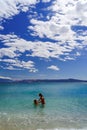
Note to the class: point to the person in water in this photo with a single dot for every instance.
(35, 102)
(41, 99)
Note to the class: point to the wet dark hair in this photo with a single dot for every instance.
(40, 95)
(35, 101)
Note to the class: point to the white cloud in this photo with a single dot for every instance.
(52, 30)
(69, 58)
(9, 52)
(53, 67)
(15, 64)
(33, 70)
(46, 0)
(9, 8)
(3, 77)
(78, 54)
(1, 27)
(65, 14)
(15, 47)
(59, 27)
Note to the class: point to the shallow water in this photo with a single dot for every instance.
(65, 108)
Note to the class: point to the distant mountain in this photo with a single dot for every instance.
(51, 80)
(3, 80)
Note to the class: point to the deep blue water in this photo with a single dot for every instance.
(65, 108)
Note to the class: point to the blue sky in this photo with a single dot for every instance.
(43, 39)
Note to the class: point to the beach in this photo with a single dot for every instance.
(65, 108)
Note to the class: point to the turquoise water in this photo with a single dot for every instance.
(65, 108)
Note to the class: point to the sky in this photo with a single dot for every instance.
(43, 39)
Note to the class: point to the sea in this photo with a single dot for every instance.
(65, 108)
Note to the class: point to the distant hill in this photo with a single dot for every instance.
(3, 80)
(50, 80)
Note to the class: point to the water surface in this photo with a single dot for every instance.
(65, 108)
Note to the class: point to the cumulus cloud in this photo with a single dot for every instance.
(70, 12)
(15, 47)
(7, 52)
(58, 27)
(15, 64)
(9, 8)
(67, 13)
(46, 1)
(53, 67)
(1, 27)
